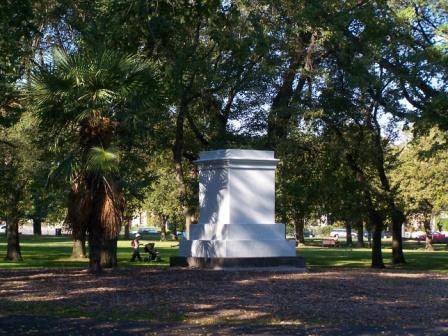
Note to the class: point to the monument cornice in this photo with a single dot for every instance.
(237, 163)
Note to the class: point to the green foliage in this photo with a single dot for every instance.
(18, 29)
(311, 80)
(442, 224)
(324, 231)
(162, 197)
(91, 106)
(93, 84)
(101, 160)
(421, 174)
(15, 173)
(98, 101)
(299, 176)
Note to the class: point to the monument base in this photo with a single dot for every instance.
(237, 248)
(295, 262)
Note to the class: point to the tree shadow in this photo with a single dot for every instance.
(234, 302)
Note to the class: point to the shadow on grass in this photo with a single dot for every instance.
(236, 302)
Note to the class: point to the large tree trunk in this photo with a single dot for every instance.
(37, 226)
(299, 224)
(428, 239)
(398, 218)
(396, 215)
(174, 231)
(178, 165)
(360, 238)
(78, 209)
(377, 255)
(127, 229)
(374, 216)
(79, 242)
(163, 227)
(78, 249)
(281, 111)
(12, 237)
(348, 231)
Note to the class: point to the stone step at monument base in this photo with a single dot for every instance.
(237, 248)
(237, 231)
(295, 263)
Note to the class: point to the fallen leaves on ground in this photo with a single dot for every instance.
(319, 299)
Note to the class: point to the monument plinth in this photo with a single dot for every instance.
(237, 214)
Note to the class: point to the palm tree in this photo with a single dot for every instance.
(90, 104)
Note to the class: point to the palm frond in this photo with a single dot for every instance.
(63, 169)
(103, 161)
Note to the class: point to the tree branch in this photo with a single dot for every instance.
(196, 131)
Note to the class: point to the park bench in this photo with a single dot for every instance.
(329, 242)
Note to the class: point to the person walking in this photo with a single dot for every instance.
(136, 248)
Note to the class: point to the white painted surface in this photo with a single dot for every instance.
(237, 231)
(252, 196)
(237, 186)
(214, 196)
(237, 248)
(237, 207)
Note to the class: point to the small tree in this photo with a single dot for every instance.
(16, 24)
(17, 175)
(162, 198)
(422, 177)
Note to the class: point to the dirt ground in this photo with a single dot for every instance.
(141, 301)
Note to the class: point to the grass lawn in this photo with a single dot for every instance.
(47, 251)
(416, 256)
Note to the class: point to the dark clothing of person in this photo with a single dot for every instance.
(136, 255)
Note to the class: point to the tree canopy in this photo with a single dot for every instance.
(125, 94)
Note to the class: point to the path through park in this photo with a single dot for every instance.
(164, 302)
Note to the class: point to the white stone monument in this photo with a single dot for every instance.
(237, 209)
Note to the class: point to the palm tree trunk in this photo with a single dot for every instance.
(12, 237)
(94, 224)
(105, 221)
(95, 250)
(108, 255)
